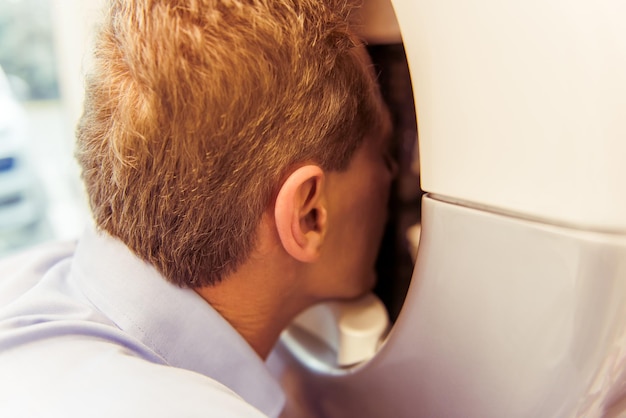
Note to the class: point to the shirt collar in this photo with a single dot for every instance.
(176, 323)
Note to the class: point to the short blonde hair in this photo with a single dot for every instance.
(196, 110)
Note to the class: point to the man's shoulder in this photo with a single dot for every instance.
(22, 270)
(85, 339)
(115, 384)
(132, 387)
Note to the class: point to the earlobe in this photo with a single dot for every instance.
(300, 213)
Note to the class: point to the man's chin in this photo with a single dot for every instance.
(372, 279)
(365, 286)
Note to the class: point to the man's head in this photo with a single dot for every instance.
(197, 111)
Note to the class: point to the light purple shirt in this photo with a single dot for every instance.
(90, 330)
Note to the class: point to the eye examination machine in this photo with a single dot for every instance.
(516, 305)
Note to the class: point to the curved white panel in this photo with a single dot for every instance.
(522, 105)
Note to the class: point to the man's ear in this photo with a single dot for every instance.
(300, 213)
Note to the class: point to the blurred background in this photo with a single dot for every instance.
(42, 59)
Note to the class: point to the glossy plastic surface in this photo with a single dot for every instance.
(521, 105)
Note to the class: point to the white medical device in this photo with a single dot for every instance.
(517, 305)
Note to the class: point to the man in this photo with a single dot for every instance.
(235, 158)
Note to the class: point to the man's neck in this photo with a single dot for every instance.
(257, 304)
